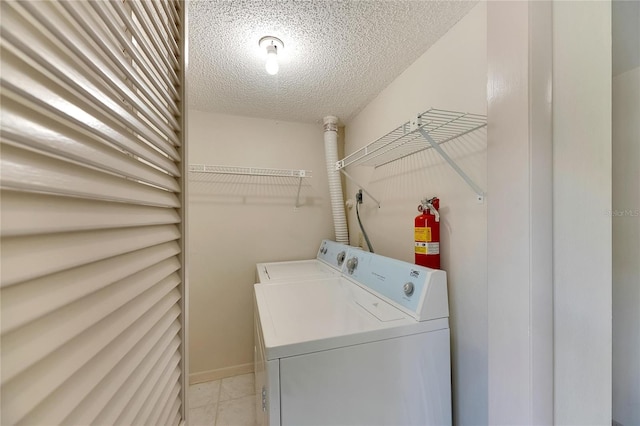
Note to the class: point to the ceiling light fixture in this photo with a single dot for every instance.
(271, 45)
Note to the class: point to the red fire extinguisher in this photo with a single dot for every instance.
(427, 234)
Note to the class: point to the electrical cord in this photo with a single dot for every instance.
(364, 233)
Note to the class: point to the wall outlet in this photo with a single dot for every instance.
(360, 240)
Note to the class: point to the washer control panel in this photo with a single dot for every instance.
(406, 285)
(332, 253)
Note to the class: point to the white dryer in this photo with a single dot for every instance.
(328, 262)
(368, 348)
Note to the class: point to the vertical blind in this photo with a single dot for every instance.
(92, 286)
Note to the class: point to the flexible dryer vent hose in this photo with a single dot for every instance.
(335, 185)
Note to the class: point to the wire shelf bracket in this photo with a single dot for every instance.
(254, 171)
(427, 130)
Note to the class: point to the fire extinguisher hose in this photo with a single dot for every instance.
(364, 233)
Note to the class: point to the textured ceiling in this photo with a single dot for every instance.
(338, 55)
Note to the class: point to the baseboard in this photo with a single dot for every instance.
(220, 373)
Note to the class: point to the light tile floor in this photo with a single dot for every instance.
(227, 402)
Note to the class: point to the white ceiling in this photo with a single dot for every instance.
(338, 55)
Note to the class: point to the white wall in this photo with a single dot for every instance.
(626, 247)
(452, 74)
(581, 197)
(581, 240)
(236, 222)
(626, 212)
(625, 16)
(520, 291)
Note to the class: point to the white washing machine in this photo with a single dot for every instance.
(328, 262)
(370, 347)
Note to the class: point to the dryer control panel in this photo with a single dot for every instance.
(332, 253)
(420, 292)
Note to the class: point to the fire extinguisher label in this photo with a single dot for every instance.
(427, 248)
(422, 234)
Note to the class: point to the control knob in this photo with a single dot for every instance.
(340, 257)
(352, 264)
(408, 288)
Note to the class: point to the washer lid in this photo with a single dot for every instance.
(304, 317)
(294, 270)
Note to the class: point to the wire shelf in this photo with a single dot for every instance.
(248, 171)
(300, 175)
(407, 139)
